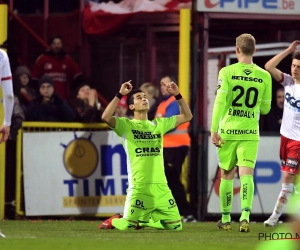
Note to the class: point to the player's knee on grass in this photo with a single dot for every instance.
(123, 224)
(172, 225)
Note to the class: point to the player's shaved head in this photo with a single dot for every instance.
(246, 43)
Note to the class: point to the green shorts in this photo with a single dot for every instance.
(150, 200)
(237, 153)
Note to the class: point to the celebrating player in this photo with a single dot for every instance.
(244, 91)
(290, 127)
(148, 194)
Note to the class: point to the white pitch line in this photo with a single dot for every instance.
(21, 237)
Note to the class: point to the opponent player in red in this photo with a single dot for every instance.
(290, 127)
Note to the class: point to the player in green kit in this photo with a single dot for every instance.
(244, 92)
(148, 195)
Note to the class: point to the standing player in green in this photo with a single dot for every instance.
(148, 194)
(244, 91)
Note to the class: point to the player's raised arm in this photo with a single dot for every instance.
(185, 112)
(273, 63)
(107, 115)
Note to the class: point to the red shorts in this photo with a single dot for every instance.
(289, 155)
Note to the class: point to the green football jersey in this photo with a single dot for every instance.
(143, 144)
(243, 90)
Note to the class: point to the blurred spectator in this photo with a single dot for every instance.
(86, 104)
(49, 106)
(152, 93)
(60, 66)
(272, 121)
(23, 89)
(122, 108)
(17, 118)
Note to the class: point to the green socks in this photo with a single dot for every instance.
(246, 195)
(226, 195)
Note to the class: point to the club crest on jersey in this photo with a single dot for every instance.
(247, 71)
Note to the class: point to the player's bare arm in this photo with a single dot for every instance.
(273, 63)
(216, 139)
(107, 115)
(185, 112)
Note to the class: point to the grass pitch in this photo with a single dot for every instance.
(73, 235)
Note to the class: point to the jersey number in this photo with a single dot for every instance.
(250, 103)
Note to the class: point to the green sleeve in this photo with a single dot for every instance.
(120, 126)
(220, 101)
(166, 123)
(265, 106)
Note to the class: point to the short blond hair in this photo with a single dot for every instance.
(246, 43)
(149, 88)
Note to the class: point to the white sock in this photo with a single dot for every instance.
(285, 194)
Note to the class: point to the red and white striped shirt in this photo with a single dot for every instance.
(290, 126)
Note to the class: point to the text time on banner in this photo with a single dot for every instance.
(69, 173)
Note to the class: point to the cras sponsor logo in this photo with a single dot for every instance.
(147, 151)
(248, 4)
(80, 157)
